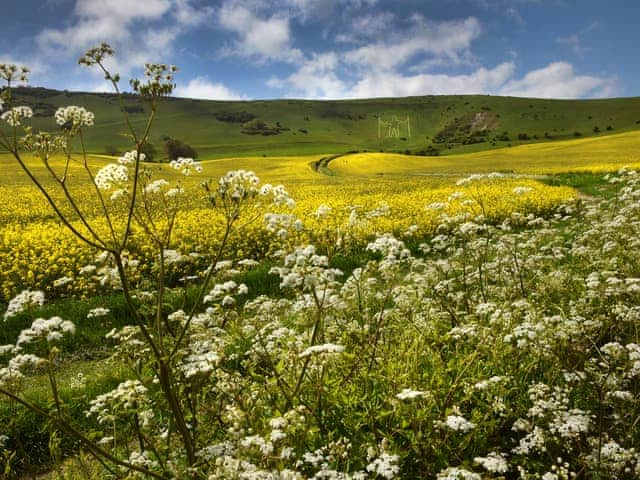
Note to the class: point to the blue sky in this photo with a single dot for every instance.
(251, 49)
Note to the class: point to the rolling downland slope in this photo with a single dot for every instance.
(418, 125)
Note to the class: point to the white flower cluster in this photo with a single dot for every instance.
(129, 158)
(274, 341)
(98, 312)
(324, 349)
(142, 459)
(282, 223)
(386, 465)
(44, 144)
(224, 292)
(112, 175)
(323, 210)
(389, 247)
(12, 373)
(156, 186)
(457, 423)
(25, 300)
(409, 394)
(129, 396)
(305, 269)
(456, 473)
(480, 176)
(204, 355)
(493, 462)
(52, 329)
(74, 116)
(278, 194)
(237, 185)
(11, 72)
(14, 116)
(172, 256)
(186, 166)
(62, 281)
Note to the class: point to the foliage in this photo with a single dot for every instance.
(175, 149)
(260, 127)
(504, 345)
(148, 149)
(234, 117)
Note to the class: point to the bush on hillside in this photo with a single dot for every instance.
(260, 127)
(149, 151)
(175, 148)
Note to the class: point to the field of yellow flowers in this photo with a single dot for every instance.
(599, 154)
(36, 251)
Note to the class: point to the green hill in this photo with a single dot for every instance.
(422, 125)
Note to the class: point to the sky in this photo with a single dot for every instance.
(259, 49)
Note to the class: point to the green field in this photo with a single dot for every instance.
(449, 124)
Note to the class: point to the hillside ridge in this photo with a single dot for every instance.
(419, 125)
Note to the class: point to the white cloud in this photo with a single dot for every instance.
(575, 41)
(201, 87)
(367, 26)
(316, 78)
(124, 10)
(262, 38)
(139, 31)
(559, 80)
(314, 9)
(446, 39)
(396, 85)
(515, 15)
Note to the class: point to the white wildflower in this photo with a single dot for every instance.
(74, 116)
(459, 423)
(186, 166)
(98, 312)
(408, 394)
(493, 462)
(455, 473)
(13, 117)
(23, 301)
(327, 348)
(111, 174)
(386, 465)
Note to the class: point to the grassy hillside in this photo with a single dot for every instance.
(446, 124)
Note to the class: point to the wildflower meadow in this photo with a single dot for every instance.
(182, 321)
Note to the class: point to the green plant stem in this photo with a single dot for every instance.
(88, 444)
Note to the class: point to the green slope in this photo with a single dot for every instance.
(449, 124)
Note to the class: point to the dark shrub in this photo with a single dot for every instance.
(175, 148)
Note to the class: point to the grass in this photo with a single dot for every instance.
(317, 127)
(78, 382)
(589, 184)
(88, 342)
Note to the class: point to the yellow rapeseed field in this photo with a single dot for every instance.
(595, 154)
(36, 250)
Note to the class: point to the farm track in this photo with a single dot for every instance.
(322, 166)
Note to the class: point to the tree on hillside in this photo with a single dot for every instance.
(175, 148)
(149, 151)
